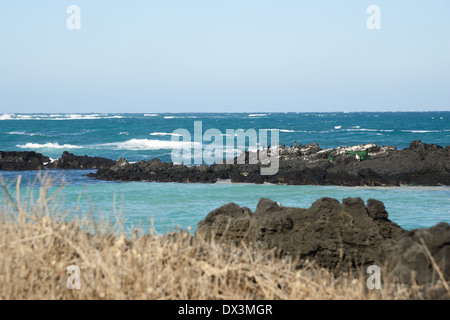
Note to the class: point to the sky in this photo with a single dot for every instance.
(224, 56)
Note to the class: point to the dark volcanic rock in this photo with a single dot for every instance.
(71, 161)
(412, 259)
(334, 235)
(420, 164)
(17, 161)
(337, 236)
(155, 170)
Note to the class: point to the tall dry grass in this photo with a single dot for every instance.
(37, 246)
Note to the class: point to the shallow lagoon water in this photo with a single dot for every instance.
(173, 206)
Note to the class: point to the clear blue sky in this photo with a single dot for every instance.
(224, 56)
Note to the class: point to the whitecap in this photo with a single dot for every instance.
(48, 145)
(258, 115)
(74, 116)
(7, 116)
(150, 115)
(420, 131)
(338, 127)
(164, 134)
(371, 130)
(146, 144)
(285, 130)
(23, 133)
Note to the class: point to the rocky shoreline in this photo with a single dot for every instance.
(362, 165)
(338, 236)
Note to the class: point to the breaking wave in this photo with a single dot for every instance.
(146, 144)
(49, 145)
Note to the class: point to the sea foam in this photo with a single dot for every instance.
(146, 144)
(49, 145)
(165, 134)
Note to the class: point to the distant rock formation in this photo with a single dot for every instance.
(26, 160)
(371, 165)
(362, 165)
(71, 161)
(30, 160)
(339, 236)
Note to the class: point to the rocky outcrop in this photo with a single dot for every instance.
(363, 165)
(155, 170)
(71, 161)
(20, 161)
(30, 160)
(339, 236)
(371, 165)
(330, 233)
(415, 251)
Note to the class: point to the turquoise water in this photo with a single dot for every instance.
(171, 206)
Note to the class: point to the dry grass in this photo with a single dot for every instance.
(36, 247)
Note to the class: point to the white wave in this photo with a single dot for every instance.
(83, 116)
(338, 127)
(145, 144)
(164, 134)
(258, 115)
(285, 130)
(169, 117)
(358, 128)
(123, 133)
(371, 130)
(7, 116)
(57, 116)
(48, 145)
(89, 117)
(420, 131)
(150, 115)
(23, 133)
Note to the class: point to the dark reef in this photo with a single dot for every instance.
(362, 165)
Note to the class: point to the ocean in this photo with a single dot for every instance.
(171, 206)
